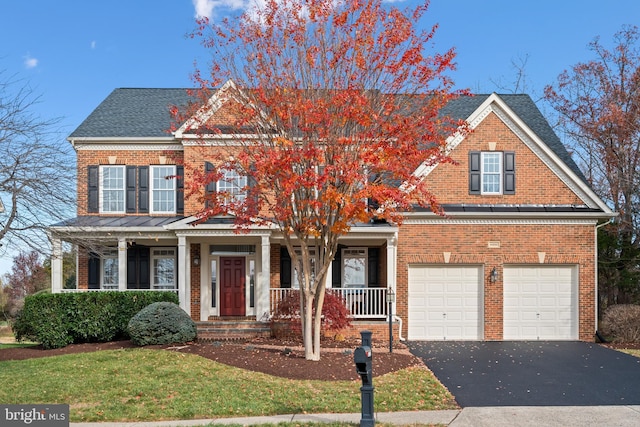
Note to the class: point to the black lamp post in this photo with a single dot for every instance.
(391, 298)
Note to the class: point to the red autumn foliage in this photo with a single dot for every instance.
(335, 314)
(327, 111)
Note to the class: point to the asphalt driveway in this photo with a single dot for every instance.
(537, 373)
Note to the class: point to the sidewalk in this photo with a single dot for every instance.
(506, 416)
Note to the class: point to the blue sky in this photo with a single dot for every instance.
(74, 53)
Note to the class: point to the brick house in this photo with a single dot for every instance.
(513, 259)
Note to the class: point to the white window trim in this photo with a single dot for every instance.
(499, 173)
(152, 168)
(101, 188)
(363, 253)
(154, 257)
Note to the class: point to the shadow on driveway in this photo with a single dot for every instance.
(539, 373)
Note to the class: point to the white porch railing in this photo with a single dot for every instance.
(363, 303)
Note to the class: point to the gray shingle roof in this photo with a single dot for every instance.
(132, 113)
(140, 113)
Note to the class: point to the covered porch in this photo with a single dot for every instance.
(219, 274)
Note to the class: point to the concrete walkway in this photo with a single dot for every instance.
(504, 416)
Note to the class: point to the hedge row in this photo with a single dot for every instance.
(57, 320)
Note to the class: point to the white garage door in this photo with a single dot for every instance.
(540, 303)
(445, 303)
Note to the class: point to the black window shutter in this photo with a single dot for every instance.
(93, 190)
(509, 172)
(131, 189)
(285, 268)
(474, 172)
(138, 268)
(374, 255)
(336, 269)
(180, 189)
(211, 186)
(143, 189)
(144, 268)
(94, 271)
(132, 274)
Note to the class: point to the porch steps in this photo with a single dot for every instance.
(230, 330)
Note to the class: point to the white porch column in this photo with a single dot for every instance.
(122, 264)
(183, 273)
(392, 261)
(263, 293)
(56, 266)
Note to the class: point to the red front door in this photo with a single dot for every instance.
(232, 281)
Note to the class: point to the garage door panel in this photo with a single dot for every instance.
(451, 298)
(545, 300)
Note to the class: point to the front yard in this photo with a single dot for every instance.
(147, 385)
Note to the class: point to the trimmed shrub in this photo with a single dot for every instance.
(286, 322)
(57, 320)
(161, 323)
(622, 322)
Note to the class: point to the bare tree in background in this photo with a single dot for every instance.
(37, 170)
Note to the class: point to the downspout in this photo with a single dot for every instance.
(595, 264)
(399, 320)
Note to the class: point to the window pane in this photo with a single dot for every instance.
(163, 272)
(112, 189)
(163, 189)
(214, 282)
(110, 272)
(491, 172)
(234, 184)
(354, 272)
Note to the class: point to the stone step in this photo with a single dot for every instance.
(232, 330)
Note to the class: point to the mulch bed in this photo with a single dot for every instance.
(275, 357)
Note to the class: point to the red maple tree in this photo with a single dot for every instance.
(328, 109)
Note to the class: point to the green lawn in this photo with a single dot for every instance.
(147, 385)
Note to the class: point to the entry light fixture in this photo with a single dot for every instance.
(494, 275)
(196, 260)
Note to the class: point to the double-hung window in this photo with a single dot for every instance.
(112, 189)
(296, 278)
(354, 267)
(492, 172)
(163, 189)
(233, 184)
(110, 276)
(163, 262)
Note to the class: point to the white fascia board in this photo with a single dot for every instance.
(514, 215)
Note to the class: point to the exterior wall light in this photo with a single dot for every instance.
(494, 275)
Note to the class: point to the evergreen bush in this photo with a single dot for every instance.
(57, 320)
(161, 323)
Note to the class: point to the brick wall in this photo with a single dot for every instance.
(519, 244)
(535, 182)
(118, 157)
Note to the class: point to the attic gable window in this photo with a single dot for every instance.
(492, 172)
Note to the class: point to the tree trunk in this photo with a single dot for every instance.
(307, 330)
